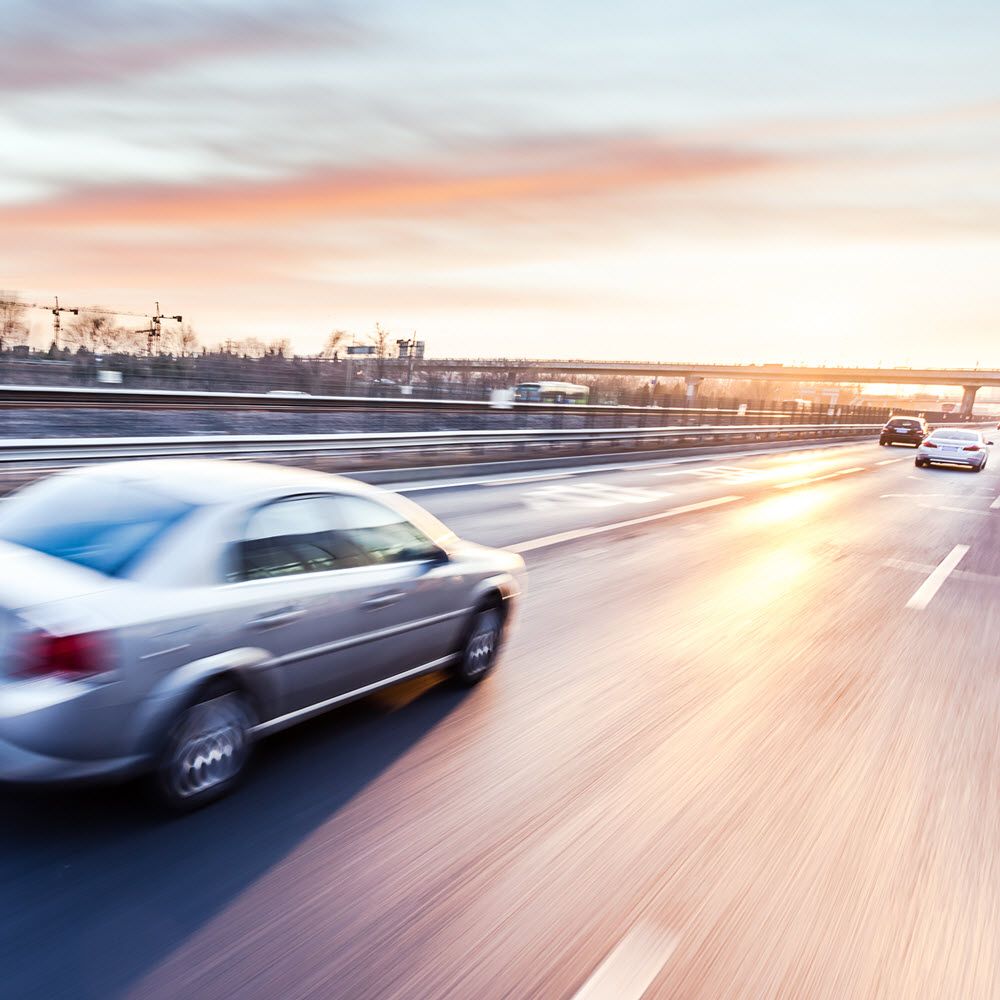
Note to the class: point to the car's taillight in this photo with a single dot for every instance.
(929, 444)
(72, 657)
(971, 447)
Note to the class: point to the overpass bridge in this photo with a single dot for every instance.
(971, 380)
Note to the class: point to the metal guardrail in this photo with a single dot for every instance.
(48, 397)
(56, 452)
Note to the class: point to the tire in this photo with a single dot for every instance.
(206, 749)
(881, 443)
(919, 463)
(481, 647)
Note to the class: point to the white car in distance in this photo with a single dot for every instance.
(954, 446)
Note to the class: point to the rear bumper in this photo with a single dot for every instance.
(21, 766)
(966, 463)
(52, 731)
(901, 439)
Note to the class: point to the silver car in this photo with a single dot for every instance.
(159, 617)
(954, 446)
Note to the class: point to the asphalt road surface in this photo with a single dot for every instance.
(742, 744)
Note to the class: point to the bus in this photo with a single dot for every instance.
(551, 392)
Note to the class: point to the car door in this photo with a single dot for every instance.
(414, 608)
(297, 594)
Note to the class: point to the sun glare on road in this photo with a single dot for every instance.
(786, 507)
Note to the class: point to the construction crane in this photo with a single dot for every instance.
(152, 332)
(55, 319)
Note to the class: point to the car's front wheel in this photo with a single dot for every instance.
(206, 750)
(479, 652)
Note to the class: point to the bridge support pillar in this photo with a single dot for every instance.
(691, 384)
(968, 399)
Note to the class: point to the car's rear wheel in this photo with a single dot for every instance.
(481, 648)
(919, 463)
(206, 750)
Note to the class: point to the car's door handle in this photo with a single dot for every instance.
(382, 600)
(278, 617)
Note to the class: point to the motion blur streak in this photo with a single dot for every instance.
(726, 728)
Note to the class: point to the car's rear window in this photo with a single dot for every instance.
(904, 423)
(955, 436)
(103, 524)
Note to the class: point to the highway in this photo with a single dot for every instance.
(744, 742)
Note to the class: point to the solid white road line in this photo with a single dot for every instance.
(569, 536)
(818, 479)
(450, 484)
(630, 966)
(527, 479)
(996, 504)
(924, 594)
(419, 486)
(890, 461)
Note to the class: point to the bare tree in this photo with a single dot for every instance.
(94, 333)
(185, 340)
(380, 341)
(250, 347)
(13, 328)
(333, 343)
(123, 340)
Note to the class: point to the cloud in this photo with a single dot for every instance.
(65, 43)
(514, 173)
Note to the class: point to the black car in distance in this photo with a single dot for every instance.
(903, 430)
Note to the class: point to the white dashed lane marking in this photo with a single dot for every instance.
(965, 575)
(631, 965)
(924, 594)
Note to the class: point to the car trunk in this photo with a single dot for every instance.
(34, 591)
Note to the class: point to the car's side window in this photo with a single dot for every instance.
(383, 535)
(294, 536)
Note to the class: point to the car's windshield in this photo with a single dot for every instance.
(103, 524)
(955, 436)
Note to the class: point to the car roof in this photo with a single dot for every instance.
(203, 481)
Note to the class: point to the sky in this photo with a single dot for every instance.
(716, 181)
